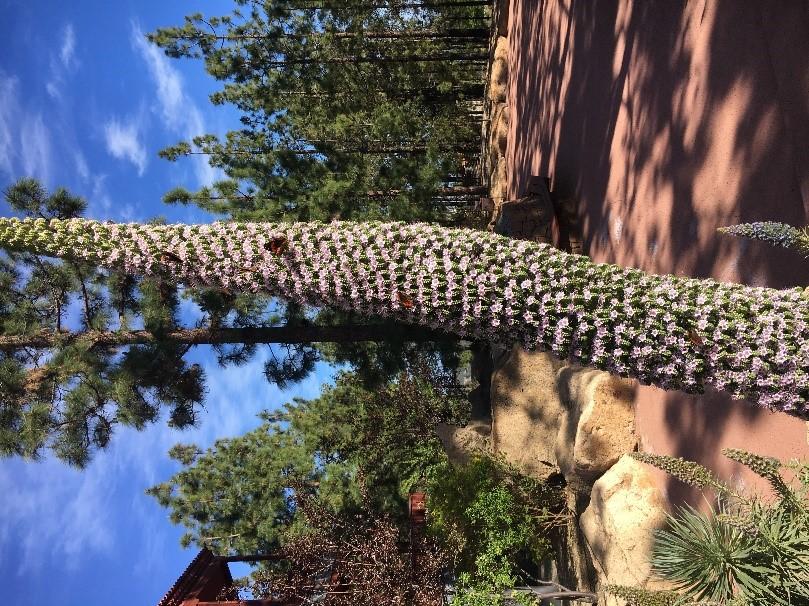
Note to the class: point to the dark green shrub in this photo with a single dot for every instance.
(495, 521)
(753, 551)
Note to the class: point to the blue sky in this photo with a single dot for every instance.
(86, 103)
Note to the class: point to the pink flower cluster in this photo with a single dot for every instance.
(672, 332)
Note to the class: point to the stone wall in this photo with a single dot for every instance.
(552, 419)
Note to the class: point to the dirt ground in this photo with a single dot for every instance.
(664, 121)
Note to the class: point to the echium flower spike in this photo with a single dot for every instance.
(636, 596)
(676, 333)
(688, 472)
(767, 468)
(772, 232)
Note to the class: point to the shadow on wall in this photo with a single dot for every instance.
(666, 120)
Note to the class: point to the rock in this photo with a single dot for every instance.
(625, 509)
(498, 82)
(529, 218)
(599, 426)
(499, 186)
(526, 411)
(501, 130)
(463, 442)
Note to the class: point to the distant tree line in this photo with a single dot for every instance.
(350, 109)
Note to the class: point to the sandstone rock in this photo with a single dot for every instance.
(501, 130)
(529, 218)
(526, 411)
(498, 82)
(499, 186)
(501, 49)
(599, 426)
(625, 509)
(463, 442)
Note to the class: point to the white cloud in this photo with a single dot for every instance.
(61, 62)
(35, 148)
(52, 87)
(178, 112)
(9, 109)
(68, 50)
(123, 142)
(81, 165)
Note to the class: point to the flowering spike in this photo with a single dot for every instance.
(777, 234)
(688, 472)
(676, 333)
(767, 468)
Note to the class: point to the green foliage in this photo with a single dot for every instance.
(635, 596)
(494, 520)
(753, 551)
(348, 110)
(234, 496)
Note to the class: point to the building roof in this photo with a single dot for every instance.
(204, 571)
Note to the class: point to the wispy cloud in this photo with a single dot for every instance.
(81, 166)
(62, 61)
(9, 108)
(35, 148)
(123, 142)
(177, 111)
(25, 141)
(68, 50)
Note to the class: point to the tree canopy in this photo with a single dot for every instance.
(234, 497)
(84, 349)
(350, 109)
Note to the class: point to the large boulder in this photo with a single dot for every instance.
(599, 425)
(526, 411)
(502, 118)
(626, 508)
(498, 82)
(499, 180)
(550, 416)
(461, 443)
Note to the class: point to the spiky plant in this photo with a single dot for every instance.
(707, 558)
(772, 232)
(676, 333)
(753, 551)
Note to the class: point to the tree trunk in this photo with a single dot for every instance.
(351, 333)
(476, 33)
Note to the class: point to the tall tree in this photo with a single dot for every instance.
(71, 394)
(677, 333)
(234, 497)
(314, 133)
(83, 350)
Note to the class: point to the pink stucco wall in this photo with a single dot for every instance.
(666, 120)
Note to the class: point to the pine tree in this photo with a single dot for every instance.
(234, 497)
(314, 134)
(83, 350)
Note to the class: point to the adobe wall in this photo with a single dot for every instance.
(666, 120)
